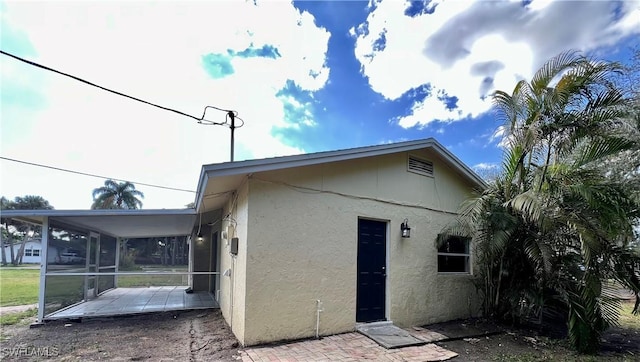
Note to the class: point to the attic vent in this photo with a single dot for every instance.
(420, 166)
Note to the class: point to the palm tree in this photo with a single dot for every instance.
(27, 202)
(555, 226)
(31, 202)
(114, 195)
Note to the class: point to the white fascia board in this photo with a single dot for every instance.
(275, 163)
(202, 186)
(103, 212)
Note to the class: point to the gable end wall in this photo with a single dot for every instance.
(302, 246)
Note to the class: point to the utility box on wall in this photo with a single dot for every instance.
(234, 246)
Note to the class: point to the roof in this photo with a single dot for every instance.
(230, 174)
(119, 223)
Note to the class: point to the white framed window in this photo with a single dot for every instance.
(36, 252)
(27, 252)
(454, 255)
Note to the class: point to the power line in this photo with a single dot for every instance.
(313, 191)
(229, 113)
(92, 175)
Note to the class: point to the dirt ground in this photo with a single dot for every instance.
(519, 344)
(187, 336)
(204, 336)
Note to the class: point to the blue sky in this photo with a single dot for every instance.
(305, 77)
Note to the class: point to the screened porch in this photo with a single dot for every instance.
(99, 263)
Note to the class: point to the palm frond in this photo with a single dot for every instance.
(557, 221)
(117, 195)
(554, 67)
(529, 205)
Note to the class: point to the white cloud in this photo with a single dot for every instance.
(483, 166)
(500, 136)
(152, 51)
(468, 49)
(430, 109)
(391, 141)
(539, 4)
(487, 170)
(300, 114)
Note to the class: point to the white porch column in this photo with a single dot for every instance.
(190, 245)
(43, 267)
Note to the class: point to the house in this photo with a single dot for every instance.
(32, 251)
(320, 234)
(297, 246)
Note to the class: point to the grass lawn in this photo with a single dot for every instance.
(18, 286)
(129, 281)
(9, 319)
(627, 320)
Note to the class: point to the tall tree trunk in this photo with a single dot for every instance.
(499, 285)
(10, 243)
(173, 251)
(21, 251)
(182, 247)
(164, 252)
(4, 253)
(124, 247)
(23, 244)
(11, 251)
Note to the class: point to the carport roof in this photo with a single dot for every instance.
(119, 223)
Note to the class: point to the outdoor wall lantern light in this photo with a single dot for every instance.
(405, 229)
(199, 237)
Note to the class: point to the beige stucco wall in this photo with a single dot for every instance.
(301, 246)
(233, 287)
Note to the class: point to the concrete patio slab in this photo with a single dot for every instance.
(389, 336)
(347, 347)
(127, 301)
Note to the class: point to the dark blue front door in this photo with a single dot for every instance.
(370, 299)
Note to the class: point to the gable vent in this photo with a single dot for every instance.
(420, 166)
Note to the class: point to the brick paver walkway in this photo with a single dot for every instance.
(344, 347)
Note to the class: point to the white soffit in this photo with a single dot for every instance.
(119, 223)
